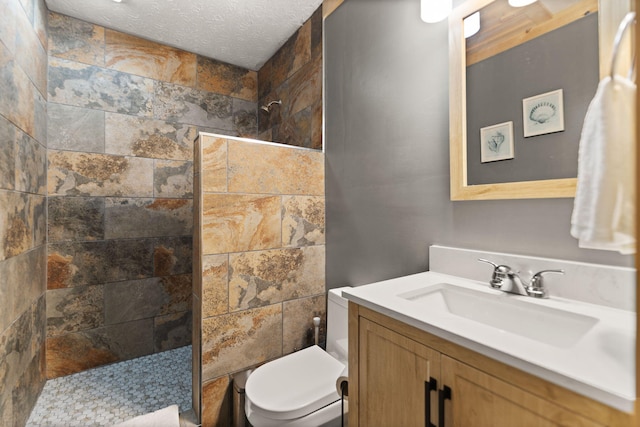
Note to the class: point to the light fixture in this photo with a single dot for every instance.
(521, 3)
(434, 10)
(471, 24)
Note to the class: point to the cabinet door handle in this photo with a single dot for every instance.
(429, 386)
(443, 394)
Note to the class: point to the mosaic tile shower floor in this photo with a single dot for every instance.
(114, 393)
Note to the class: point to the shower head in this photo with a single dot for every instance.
(267, 107)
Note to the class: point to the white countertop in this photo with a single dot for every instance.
(601, 365)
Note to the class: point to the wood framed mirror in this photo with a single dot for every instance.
(522, 30)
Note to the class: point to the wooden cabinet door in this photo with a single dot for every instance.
(481, 400)
(393, 371)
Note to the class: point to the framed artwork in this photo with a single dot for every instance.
(543, 114)
(496, 142)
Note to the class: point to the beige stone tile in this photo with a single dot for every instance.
(316, 126)
(303, 220)
(227, 79)
(214, 164)
(144, 137)
(134, 55)
(297, 322)
(215, 288)
(88, 174)
(22, 222)
(78, 351)
(235, 341)
(261, 278)
(263, 168)
(216, 402)
(234, 223)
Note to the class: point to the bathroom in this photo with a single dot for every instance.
(381, 218)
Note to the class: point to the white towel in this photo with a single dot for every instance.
(604, 207)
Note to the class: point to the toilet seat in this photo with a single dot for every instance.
(294, 385)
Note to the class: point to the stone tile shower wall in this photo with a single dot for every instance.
(23, 76)
(260, 248)
(122, 117)
(294, 75)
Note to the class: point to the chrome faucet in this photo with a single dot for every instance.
(507, 280)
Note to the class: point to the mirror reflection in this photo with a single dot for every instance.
(530, 75)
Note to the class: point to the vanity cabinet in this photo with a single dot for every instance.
(401, 375)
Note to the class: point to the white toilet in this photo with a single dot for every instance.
(300, 389)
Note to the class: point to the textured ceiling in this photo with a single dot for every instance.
(241, 32)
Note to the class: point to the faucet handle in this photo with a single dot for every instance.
(488, 262)
(500, 273)
(536, 285)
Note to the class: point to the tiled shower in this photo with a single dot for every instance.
(99, 133)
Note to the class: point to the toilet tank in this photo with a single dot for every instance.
(337, 324)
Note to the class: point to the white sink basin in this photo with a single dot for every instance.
(587, 348)
(504, 312)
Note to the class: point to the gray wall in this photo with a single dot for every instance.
(387, 167)
(566, 59)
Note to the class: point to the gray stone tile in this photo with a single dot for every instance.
(188, 105)
(74, 309)
(173, 178)
(245, 118)
(76, 40)
(89, 86)
(75, 218)
(143, 217)
(39, 215)
(75, 128)
(84, 263)
(172, 331)
(25, 393)
(40, 119)
(172, 255)
(8, 146)
(16, 86)
(24, 279)
(31, 164)
(34, 63)
(16, 349)
(141, 299)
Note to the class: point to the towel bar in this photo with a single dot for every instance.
(624, 25)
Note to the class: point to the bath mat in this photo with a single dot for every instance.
(167, 417)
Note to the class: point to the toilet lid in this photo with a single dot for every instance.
(294, 385)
